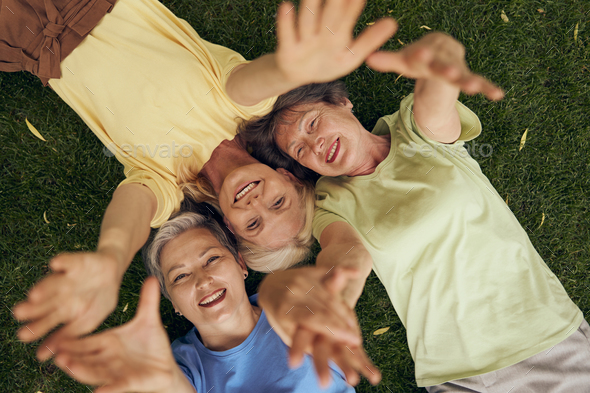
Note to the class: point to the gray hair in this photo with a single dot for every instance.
(198, 216)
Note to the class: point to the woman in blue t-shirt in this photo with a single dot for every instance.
(232, 346)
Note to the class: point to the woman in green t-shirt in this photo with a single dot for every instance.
(406, 200)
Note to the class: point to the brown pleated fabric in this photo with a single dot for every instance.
(36, 35)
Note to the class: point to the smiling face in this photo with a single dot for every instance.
(262, 205)
(203, 279)
(324, 138)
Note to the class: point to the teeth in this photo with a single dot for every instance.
(212, 297)
(333, 150)
(245, 190)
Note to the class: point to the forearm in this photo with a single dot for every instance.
(126, 223)
(257, 81)
(358, 258)
(434, 109)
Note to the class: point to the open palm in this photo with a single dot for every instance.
(133, 357)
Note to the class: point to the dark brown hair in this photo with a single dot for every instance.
(259, 132)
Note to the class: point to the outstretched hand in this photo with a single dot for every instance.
(133, 357)
(435, 56)
(81, 292)
(315, 43)
(305, 308)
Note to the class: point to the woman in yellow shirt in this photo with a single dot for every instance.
(161, 99)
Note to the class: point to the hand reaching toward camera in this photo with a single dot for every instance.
(315, 42)
(306, 310)
(436, 56)
(80, 293)
(130, 358)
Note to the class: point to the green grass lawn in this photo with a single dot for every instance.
(540, 57)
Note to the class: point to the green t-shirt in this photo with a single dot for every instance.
(462, 274)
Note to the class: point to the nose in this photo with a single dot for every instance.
(317, 146)
(203, 280)
(255, 195)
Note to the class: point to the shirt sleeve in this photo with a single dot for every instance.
(229, 59)
(470, 124)
(323, 215)
(168, 194)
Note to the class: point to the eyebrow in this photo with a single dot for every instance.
(299, 127)
(183, 265)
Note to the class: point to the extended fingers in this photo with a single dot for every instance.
(321, 353)
(286, 32)
(308, 18)
(373, 37)
(473, 84)
(40, 327)
(302, 342)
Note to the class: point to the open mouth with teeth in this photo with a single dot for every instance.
(335, 148)
(213, 299)
(244, 189)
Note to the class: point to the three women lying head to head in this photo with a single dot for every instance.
(201, 271)
(296, 138)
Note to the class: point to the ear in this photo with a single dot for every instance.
(347, 104)
(291, 176)
(242, 263)
(229, 225)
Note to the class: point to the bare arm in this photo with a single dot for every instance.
(83, 288)
(316, 48)
(434, 110)
(342, 247)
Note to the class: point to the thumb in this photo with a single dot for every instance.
(384, 61)
(149, 300)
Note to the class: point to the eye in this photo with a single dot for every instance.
(299, 152)
(312, 123)
(253, 225)
(279, 202)
(212, 259)
(180, 276)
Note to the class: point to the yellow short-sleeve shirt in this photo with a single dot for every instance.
(153, 91)
(460, 271)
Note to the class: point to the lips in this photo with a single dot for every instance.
(213, 298)
(333, 152)
(244, 189)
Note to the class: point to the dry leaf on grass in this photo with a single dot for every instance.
(504, 17)
(370, 23)
(380, 331)
(542, 221)
(398, 40)
(34, 130)
(523, 139)
(125, 308)
(45, 217)
(425, 27)
(542, 11)
(400, 75)
(576, 32)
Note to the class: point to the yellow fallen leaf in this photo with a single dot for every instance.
(45, 217)
(389, 11)
(542, 11)
(425, 27)
(523, 140)
(504, 17)
(506, 199)
(576, 32)
(400, 75)
(125, 308)
(34, 130)
(370, 23)
(542, 221)
(398, 40)
(71, 225)
(380, 331)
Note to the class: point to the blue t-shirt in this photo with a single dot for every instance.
(259, 364)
